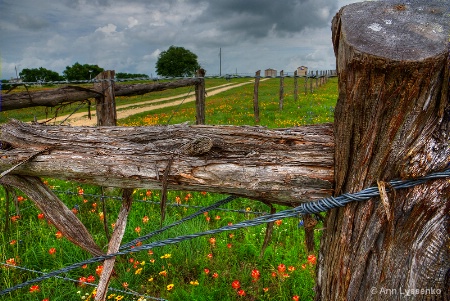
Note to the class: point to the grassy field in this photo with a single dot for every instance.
(226, 266)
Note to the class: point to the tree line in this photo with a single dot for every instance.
(173, 62)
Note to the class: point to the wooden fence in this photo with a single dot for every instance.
(392, 121)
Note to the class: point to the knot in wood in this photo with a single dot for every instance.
(197, 147)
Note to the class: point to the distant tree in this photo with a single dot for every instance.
(4, 84)
(41, 74)
(177, 61)
(131, 75)
(82, 72)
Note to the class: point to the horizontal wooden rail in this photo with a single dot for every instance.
(283, 166)
(68, 94)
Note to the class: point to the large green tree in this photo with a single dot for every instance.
(39, 74)
(177, 61)
(82, 72)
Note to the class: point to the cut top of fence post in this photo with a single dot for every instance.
(415, 30)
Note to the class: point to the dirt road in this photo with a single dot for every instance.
(123, 111)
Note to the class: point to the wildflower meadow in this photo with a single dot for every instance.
(227, 266)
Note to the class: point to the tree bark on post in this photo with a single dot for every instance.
(255, 96)
(106, 104)
(200, 93)
(392, 120)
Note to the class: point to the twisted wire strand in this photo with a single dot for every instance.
(187, 218)
(312, 207)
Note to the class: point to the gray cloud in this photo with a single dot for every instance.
(127, 35)
(257, 18)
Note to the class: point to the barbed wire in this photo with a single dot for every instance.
(155, 79)
(305, 208)
(172, 204)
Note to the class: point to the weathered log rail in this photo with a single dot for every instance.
(283, 166)
(70, 94)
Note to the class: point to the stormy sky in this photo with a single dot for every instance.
(128, 35)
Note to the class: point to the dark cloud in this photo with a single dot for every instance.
(127, 35)
(258, 18)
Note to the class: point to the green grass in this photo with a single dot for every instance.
(42, 113)
(235, 254)
(235, 107)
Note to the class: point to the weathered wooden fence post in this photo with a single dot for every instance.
(392, 120)
(295, 86)
(106, 104)
(317, 79)
(311, 81)
(114, 244)
(306, 83)
(200, 92)
(281, 90)
(255, 96)
(107, 116)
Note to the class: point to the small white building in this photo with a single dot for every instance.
(270, 72)
(302, 71)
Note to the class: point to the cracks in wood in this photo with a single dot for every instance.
(24, 161)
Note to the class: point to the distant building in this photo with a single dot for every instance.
(302, 71)
(15, 80)
(270, 72)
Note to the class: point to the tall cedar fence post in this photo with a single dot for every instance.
(107, 116)
(281, 90)
(255, 96)
(392, 121)
(200, 93)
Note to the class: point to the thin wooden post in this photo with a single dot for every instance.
(295, 86)
(309, 223)
(114, 244)
(106, 104)
(107, 116)
(281, 90)
(317, 79)
(311, 79)
(200, 93)
(255, 96)
(306, 82)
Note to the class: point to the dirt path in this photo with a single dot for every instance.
(123, 111)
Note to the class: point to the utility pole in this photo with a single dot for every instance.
(220, 61)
